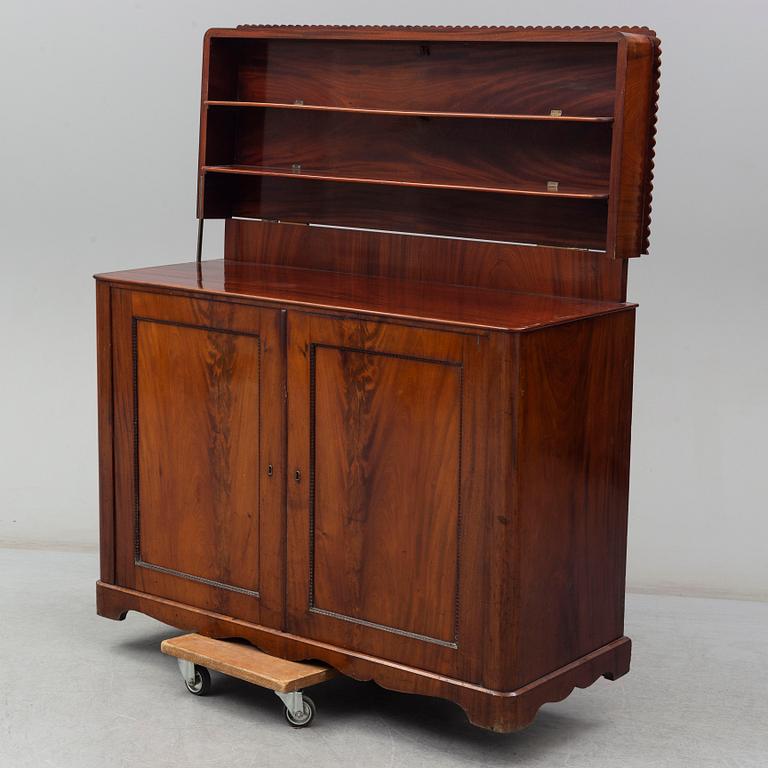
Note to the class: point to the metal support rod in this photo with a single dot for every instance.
(200, 239)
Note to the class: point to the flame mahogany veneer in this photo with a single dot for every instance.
(397, 443)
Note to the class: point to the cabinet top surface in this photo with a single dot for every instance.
(478, 308)
(406, 32)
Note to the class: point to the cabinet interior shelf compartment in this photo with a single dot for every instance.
(413, 113)
(511, 140)
(580, 192)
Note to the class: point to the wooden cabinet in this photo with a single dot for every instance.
(403, 453)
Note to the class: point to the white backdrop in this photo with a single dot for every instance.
(98, 142)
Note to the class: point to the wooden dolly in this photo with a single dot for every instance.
(197, 654)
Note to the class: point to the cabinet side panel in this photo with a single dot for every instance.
(106, 457)
(575, 403)
(632, 192)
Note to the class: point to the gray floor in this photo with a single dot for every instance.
(78, 690)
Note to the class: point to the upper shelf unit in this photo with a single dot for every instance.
(519, 137)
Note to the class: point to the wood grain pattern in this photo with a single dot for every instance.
(106, 432)
(573, 416)
(198, 400)
(246, 663)
(506, 545)
(633, 194)
(450, 173)
(502, 711)
(547, 220)
(516, 155)
(403, 455)
(430, 75)
(435, 621)
(476, 308)
(385, 499)
(551, 271)
(198, 388)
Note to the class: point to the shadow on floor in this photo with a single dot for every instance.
(346, 701)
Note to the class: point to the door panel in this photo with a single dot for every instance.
(384, 542)
(191, 451)
(386, 489)
(199, 398)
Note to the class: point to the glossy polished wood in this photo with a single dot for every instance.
(551, 118)
(404, 456)
(501, 711)
(443, 304)
(197, 516)
(431, 75)
(518, 157)
(543, 219)
(381, 497)
(312, 102)
(632, 156)
(106, 432)
(355, 378)
(197, 460)
(573, 424)
(413, 564)
(551, 271)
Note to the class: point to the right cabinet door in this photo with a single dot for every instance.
(390, 431)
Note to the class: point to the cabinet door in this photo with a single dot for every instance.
(199, 417)
(388, 430)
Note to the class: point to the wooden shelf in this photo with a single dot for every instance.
(409, 113)
(570, 192)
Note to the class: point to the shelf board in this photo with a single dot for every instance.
(411, 113)
(578, 193)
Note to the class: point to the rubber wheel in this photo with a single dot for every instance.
(202, 686)
(308, 715)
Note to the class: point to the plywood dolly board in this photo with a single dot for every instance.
(197, 654)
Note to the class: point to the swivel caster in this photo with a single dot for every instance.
(299, 709)
(246, 663)
(196, 678)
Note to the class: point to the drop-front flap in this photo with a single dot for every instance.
(533, 136)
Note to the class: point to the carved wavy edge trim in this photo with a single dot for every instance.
(651, 156)
(449, 28)
(501, 711)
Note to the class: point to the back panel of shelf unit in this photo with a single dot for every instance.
(521, 141)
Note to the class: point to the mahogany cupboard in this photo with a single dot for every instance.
(390, 429)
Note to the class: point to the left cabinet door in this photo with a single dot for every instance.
(198, 452)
